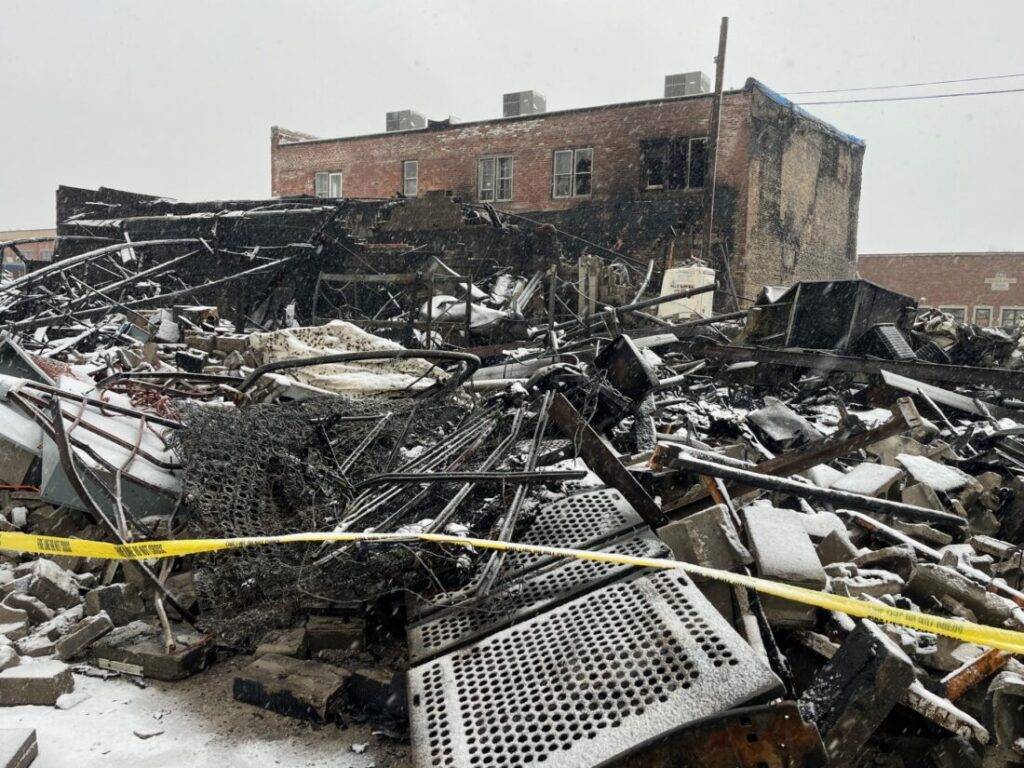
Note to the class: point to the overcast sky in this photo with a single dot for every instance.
(177, 98)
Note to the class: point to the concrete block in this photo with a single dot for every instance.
(923, 533)
(8, 657)
(53, 585)
(14, 629)
(288, 642)
(121, 602)
(868, 479)
(897, 559)
(38, 612)
(292, 687)
(38, 682)
(1006, 695)
(325, 633)
(836, 548)
(377, 691)
(59, 625)
(138, 648)
(708, 538)
(855, 691)
(783, 551)
(87, 631)
(868, 582)
(929, 582)
(36, 645)
(18, 747)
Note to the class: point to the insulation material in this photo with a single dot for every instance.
(367, 376)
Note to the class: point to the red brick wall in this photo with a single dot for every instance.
(448, 157)
(966, 280)
(30, 251)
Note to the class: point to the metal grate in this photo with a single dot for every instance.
(579, 521)
(585, 682)
(516, 599)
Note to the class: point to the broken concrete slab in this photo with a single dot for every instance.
(38, 612)
(137, 648)
(836, 548)
(121, 602)
(896, 559)
(1006, 699)
(707, 538)
(36, 682)
(53, 585)
(868, 479)
(8, 657)
(929, 581)
(292, 687)
(59, 625)
(938, 477)
(18, 747)
(855, 691)
(783, 551)
(286, 642)
(324, 633)
(87, 631)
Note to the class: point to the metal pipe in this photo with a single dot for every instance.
(843, 498)
(518, 478)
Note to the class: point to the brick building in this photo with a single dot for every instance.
(984, 288)
(629, 177)
(41, 251)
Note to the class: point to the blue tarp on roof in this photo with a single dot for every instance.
(781, 100)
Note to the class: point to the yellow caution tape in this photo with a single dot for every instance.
(965, 631)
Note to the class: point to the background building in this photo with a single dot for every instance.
(29, 252)
(984, 288)
(628, 177)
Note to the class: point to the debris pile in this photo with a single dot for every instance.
(831, 437)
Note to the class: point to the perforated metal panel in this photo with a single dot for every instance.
(515, 599)
(585, 682)
(579, 521)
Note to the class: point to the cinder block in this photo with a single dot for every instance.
(87, 631)
(292, 687)
(287, 642)
(53, 585)
(38, 682)
(855, 691)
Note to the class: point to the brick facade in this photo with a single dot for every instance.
(979, 284)
(789, 185)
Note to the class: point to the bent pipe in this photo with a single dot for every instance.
(471, 363)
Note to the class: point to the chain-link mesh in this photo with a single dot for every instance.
(281, 468)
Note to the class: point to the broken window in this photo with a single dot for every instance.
(571, 172)
(1012, 317)
(983, 316)
(327, 184)
(495, 179)
(410, 177)
(957, 313)
(673, 163)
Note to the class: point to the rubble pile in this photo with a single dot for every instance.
(830, 437)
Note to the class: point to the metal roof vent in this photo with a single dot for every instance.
(686, 84)
(405, 120)
(523, 103)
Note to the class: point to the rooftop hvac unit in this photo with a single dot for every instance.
(523, 103)
(405, 120)
(686, 84)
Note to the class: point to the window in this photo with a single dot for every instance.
(410, 177)
(571, 172)
(327, 184)
(673, 163)
(494, 179)
(957, 313)
(1011, 317)
(983, 316)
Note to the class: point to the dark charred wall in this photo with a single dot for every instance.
(802, 198)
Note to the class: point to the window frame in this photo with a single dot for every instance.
(330, 176)
(669, 148)
(1002, 314)
(974, 314)
(573, 173)
(406, 178)
(950, 308)
(496, 178)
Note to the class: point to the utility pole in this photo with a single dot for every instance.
(712, 149)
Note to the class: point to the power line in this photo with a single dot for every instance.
(906, 85)
(910, 98)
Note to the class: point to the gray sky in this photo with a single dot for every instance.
(177, 98)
